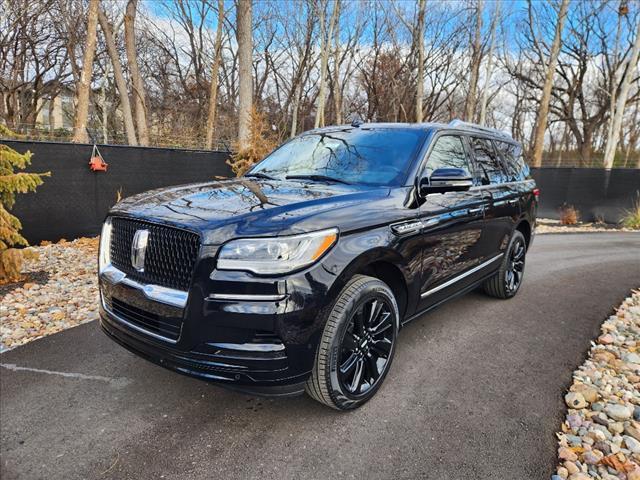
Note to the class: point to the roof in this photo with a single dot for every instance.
(453, 125)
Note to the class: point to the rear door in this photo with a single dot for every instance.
(452, 226)
(502, 209)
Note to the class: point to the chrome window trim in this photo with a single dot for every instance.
(461, 276)
(168, 296)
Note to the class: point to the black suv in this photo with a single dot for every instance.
(298, 275)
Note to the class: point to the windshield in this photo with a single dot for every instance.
(359, 155)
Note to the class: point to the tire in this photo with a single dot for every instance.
(507, 280)
(357, 335)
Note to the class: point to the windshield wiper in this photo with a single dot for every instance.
(318, 178)
(260, 175)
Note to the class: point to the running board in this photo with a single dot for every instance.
(461, 276)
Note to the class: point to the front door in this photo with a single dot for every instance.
(452, 227)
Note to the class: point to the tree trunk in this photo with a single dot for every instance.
(543, 109)
(118, 75)
(83, 88)
(103, 103)
(614, 129)
(213, 93)
(485, 90)
(245, 53)
(476, 58)
(139, 101)
(420, 79)
(324, 60)
(337, 89)
(294, 111)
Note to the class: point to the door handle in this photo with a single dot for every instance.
(475, 211)
(513, 201)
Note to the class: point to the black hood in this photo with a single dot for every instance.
(222, 210)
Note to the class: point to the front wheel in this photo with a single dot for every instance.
(507, 280)
(357, 345)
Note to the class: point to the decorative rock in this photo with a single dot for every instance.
(632, 444)
(575, 400)
(634, 475)
(618, 412)
(604, 431)
(631, 358)
(580, 476)
(571, 467)
(51, 302)
(589, 393)
(606, 339)
(567, 454)
(591, 458)
(633, 431)
(603, 447)
(574, 421)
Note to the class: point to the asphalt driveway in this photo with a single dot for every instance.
(475, 392)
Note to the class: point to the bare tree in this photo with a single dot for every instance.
(139, 100)
(543, 109)
(616, 124)
(326, 34)
(489, 71)
(215, 68)
(476, 60)
(84, 86)
(420, 41)
(245, 52)
(118, 75)
(337, 93)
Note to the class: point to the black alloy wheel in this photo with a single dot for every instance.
(357, 344)
(366, 347)
(515, 270)
(506, 282)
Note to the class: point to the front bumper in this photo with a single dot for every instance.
(250, 334)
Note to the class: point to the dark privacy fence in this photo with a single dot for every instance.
(598, 194)
(74, 200)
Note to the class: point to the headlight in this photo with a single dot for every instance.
(276, 255)
(104, 257)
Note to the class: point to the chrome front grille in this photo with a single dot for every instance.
(170, 258)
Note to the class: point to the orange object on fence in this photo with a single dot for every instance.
(97, 163)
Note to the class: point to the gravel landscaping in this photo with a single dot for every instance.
(60, 291)
(600, 437)
(547, 225)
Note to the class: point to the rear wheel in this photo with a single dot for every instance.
(357, 345)
(507, 280)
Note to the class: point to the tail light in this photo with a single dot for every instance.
(536, 193)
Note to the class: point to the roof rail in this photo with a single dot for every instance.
(473, 126)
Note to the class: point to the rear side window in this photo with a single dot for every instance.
(447, 152)
(516, 167)
(489, 167)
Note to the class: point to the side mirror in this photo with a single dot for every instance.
(446, 180)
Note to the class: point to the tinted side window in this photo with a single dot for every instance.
(448, 151)
(489, 166)
(517, 169)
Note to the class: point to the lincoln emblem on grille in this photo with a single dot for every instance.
(139, 249)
